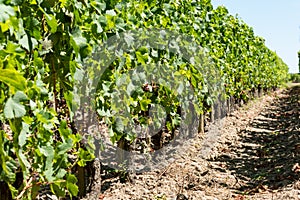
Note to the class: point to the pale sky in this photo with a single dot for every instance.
(278, 21)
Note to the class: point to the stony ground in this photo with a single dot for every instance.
(255, 156)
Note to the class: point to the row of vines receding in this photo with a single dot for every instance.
(43, 47)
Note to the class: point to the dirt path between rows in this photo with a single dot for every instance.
(256, 156)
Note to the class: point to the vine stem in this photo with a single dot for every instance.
(54, 83)
(30, 185)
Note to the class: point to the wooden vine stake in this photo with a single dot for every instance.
(201, 124)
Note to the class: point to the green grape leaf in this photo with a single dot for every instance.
(13, 78)
(142, 58)
(77, 40)
(63, 148)
(13, 108)
(6, 12)
(71, 184)
(20, 96)
(51, 21)
(23, 134)
(61, 173)
(47, 151)
(111, 13)
(24, 42)
(58, 189)
(144, 104)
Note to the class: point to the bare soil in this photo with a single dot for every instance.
(256, 156)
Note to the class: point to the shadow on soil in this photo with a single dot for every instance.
(270, 147)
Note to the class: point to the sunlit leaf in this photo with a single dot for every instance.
(12, 78)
